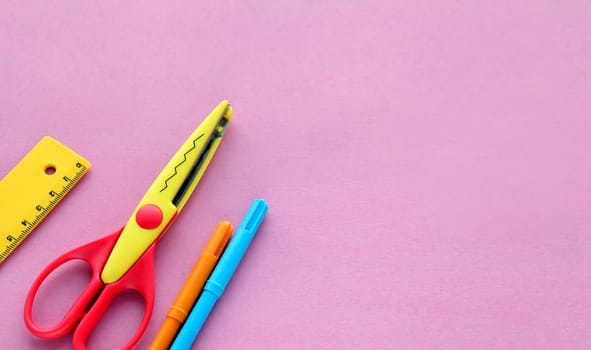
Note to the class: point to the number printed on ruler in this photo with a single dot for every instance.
(33, 188)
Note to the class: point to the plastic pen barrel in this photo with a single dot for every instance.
(193, 285)
(221, 275)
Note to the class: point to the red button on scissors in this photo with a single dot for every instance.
(124, 260)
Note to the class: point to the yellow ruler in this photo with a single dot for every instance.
(33, 188)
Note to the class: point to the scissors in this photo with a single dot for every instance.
(124, 260)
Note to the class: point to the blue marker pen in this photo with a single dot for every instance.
(221, 275)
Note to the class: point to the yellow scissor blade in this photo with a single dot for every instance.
(179, 177)
(169, 193)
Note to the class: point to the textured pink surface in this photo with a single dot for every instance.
(427, 164)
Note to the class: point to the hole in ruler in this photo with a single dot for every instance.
(49, 170)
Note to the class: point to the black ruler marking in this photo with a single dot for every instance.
(15, 241)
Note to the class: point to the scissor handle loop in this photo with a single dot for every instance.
(80, 316)
(139, 278)
(94, 254)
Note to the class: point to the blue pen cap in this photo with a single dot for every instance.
(243, 236)
(255, 215)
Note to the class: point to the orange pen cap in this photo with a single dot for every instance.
(193, 285)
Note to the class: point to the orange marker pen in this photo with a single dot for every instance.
(193, 285)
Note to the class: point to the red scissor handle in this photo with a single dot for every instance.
(94, 300)
(94, 254)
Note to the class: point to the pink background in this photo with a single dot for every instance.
(427, 164)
